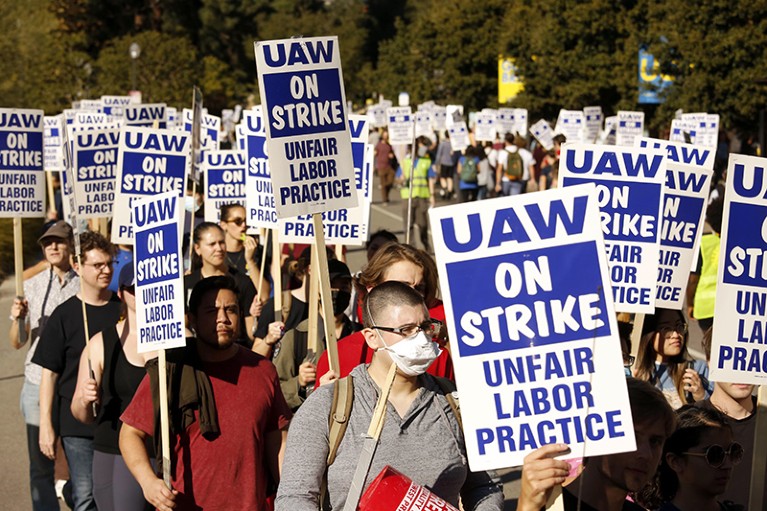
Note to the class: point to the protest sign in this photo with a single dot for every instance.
(69, 115)
(459, 136)
(630, 126)
(505, 121)
(520, 121)
(543, 134)
(347, 226)
(629, 192)
(485, 128)
(308, 139)
(171, 115)
(224, 181)
(704, 125)
(439, 118)
(159, 272)
(91, 105)
(611, 127)
(377, 116)
(258, 182)
(145, 115)
(22, 178)
(685, 195)
(95, 162)
(149, 162)
(453, 115)
(53, 143)
(400, 121)
(210, 128)
(90, 120)
(533, 335)
(739, 347)
(683, 131)
(114, 105)
(593, 115)
(423, 125)
(571, 124)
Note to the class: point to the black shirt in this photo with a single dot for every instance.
(298, 313)
(61, 344)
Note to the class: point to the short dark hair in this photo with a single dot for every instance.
(208, 284)
(386, 295)
(648, 402)
(91, 240)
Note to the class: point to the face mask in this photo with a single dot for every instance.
(341, 301)
(413, 355)
(421, 152)
(190, 205)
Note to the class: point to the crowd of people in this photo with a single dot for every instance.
(258, 420)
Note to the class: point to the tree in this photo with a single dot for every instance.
(716, 53)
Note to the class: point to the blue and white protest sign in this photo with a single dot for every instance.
(95, 165)
(149, 162)
(210, 128)
(543, 134)
(459, 136)
(159, 271)
(423, 125)
(629, 192)
(611, 128)
(171, 115)
(630, 127)
(91, 105)
(224, 181)
(377, 116)
(705, 126)
(453, 115)
(401, 125)
(485, 127)
(739, 347)
(571, 124)
(145, 115)
(439, 118)
(90, 120)
(69, 115)
(683, 131)
(520, 121)
(310, 154)
(22, 178)
(685, 195)
(114, 105)
(533, 335)
(261, 211)
(505, 121)
(53, 143)
(347, 226)
(593, 115)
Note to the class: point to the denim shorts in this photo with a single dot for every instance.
(30, 403)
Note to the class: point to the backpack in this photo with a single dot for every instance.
(469, 170)
(515, 169)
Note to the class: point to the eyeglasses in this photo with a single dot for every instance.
(715, 454)
(628, 360)
(680, 329)
(236, 221)
(99, 267)
(430, 327)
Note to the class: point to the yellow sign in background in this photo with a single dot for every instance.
(509, 84)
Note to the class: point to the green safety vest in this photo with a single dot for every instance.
(705, 294)
(420, 180)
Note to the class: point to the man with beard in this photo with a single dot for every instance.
(227, 414)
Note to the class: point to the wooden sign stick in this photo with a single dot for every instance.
(325, 295)
(312, 341)
(18, 265)
(277, 275)
(263, 237)
(51, 192)
(164, 419)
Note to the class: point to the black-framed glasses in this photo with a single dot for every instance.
(99, 267)
(430, 327)
(680, 329)
(239, 222)
(628, 360)
(716, 454)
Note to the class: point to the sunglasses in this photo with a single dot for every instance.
(716, 454)
(237, 221)
(430, 327)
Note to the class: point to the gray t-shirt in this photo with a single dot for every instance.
(426, 445)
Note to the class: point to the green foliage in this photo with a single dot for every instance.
(716, 52)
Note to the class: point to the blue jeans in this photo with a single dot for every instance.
(511, 188)
(41, 482)
(79, 453)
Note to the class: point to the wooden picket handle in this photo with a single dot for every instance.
(51, 192)
(18, 265)
(312, 341)
(277, 275)
(263, 237)
(164, 418)
(331, 343)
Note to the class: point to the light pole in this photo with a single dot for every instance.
(135, 52)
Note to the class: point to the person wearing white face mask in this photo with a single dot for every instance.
(421, 435)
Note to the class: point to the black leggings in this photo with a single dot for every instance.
(114, 488)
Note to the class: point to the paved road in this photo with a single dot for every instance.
(14, 489)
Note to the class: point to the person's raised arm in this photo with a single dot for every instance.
(266, 345)
(133, 450)
(19, 310)
(88, 390)
(540, 474)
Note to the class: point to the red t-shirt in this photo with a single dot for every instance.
(228, 472)
(353, 351)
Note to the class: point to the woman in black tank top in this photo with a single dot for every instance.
(118, 369)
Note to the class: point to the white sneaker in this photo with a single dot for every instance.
(59, 485)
